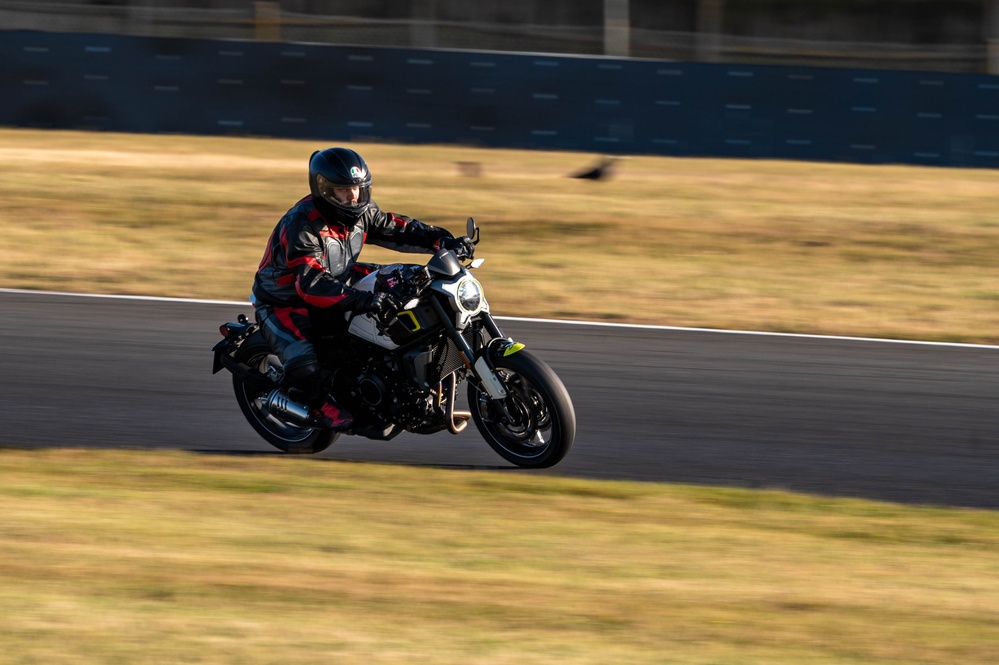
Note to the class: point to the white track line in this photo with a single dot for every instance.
(243, 303)
(603, 324)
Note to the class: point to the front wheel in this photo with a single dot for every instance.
(279, 433)
(535, 426)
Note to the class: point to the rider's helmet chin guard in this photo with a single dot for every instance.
(335, 168)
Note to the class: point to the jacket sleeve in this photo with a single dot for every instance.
(315, 284)
(404, 234)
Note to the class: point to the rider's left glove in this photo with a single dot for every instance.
(382, 305)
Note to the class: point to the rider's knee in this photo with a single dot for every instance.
(302, 378)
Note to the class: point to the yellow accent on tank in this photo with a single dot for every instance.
(416, 324)
(512, 349)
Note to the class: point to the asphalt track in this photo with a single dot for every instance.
(910, 423)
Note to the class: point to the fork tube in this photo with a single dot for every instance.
(491, 327)
(467, 353)
(482, 367)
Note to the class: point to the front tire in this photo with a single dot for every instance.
(539, 424)
(279, 433)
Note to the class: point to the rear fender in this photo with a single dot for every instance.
(232, 353)
(233, 335)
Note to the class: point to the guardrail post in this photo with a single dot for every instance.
(709, 30)
(990, 33)
(267, 21)
(423, 26)
(617, 28)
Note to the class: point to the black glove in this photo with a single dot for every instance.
(463, 247)
(382, 305)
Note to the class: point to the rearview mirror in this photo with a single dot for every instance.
(472, 231)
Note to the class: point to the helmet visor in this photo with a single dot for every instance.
(351, 198)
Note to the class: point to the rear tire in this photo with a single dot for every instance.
(282, 435)
(542, 425)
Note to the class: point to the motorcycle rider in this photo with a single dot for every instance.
(310, 265)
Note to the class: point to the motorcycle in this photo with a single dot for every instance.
(401, 372)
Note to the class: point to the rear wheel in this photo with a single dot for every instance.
(277, 432)
(536, 425)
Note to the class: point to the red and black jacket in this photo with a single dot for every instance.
(310, 254)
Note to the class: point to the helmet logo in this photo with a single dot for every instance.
(356, 172)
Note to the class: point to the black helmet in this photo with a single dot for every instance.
(341, 168)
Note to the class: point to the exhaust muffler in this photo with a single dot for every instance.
(283, 407)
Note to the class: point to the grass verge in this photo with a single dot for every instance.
(883, 251)
(123, 557)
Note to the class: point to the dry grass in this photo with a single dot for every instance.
(119, 557)
(122, 557)
(887, 251)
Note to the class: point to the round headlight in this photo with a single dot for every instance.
(470, 295)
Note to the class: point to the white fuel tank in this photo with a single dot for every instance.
(365, 326)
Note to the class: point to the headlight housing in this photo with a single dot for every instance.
(469, 295)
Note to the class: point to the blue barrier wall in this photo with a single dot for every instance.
(341, 93)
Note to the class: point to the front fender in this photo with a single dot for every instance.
(502, 347)
(485, 366)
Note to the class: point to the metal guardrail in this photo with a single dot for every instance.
(493, 99)
(264, 21)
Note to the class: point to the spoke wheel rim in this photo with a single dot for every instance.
(528, 432)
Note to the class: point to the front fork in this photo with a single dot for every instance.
(481, 366)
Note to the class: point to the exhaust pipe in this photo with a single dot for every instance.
(281, 406)
(456, 420)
